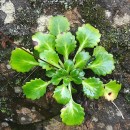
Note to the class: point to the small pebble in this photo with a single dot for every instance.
(108, 13)
(109, 127)
(118, 113)
(17, 89)
(101, 125)
(95, 119)
(8, 67)
(23, 119)
(4, 124)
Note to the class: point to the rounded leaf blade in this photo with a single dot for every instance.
(50, 57)
(72, 114)
(65, 44)
(81, 59)
(93, 88)
(62, 94)
(88, 36)
(58, 24)
(103, 63)
(22, 61)
(35, 88)
(44, 41)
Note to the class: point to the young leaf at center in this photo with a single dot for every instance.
(76, 76)
(69, 65)
(58, 76)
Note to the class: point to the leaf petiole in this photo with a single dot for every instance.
(70, 88)
(62, 65)
(79, 50)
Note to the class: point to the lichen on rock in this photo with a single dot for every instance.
(9, 9)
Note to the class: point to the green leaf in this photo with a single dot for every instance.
(58, 24)
(50, 57)
(35, 88)
(81, 59)
(22, 61)
(66, 80)
(50, 73)
(69, 65)
(59, 75)
(65, 44)
(93, 88)
(45, 41)
(77, 75)
(88, 36)
(72, 114)
(111, 90)
(104, 62)
(62, 94)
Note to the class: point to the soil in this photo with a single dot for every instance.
(20, 19)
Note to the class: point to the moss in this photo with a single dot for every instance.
(112, 37)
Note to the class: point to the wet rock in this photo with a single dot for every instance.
(27, 116)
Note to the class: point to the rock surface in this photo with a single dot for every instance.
(19, 19)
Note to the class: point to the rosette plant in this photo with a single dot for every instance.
(65, 59)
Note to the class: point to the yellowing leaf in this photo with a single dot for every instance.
(111, 90)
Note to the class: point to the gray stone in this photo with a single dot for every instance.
(109, 127)
(17, 89)
(101, 125)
